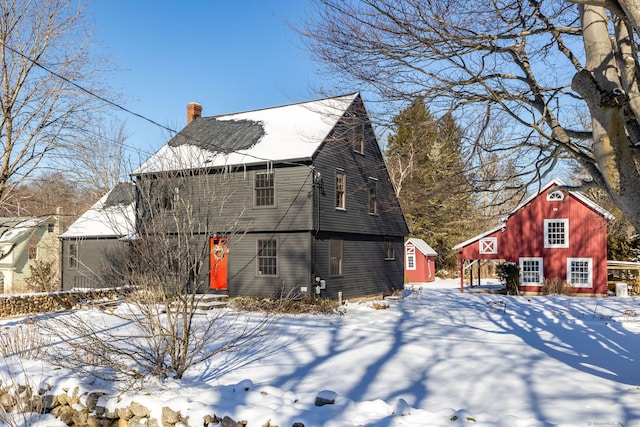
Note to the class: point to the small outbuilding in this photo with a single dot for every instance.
(419, 261)
(556, 234)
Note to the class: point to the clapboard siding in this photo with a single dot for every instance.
(366, 272)
(293, 264)
(338, 154)
(93, 265)
(223, 201)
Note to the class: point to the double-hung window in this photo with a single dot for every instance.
(264, 189)
(531, 272)
(73, 255)
(341, 189)
(556, 233)
(373, 196)
(267, 257)
(411, 257)
(389, 248)
(335, 256)
(579, 272)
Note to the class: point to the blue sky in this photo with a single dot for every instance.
(229, 56)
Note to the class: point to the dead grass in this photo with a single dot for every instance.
(285, 306)
(556, 287)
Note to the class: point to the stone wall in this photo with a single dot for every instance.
(90, 410)
(47, 302)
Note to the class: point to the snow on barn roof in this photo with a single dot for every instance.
(111, 216)
(554, 182)
(285, 133)
(422, 246)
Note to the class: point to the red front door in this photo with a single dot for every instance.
(218, 258)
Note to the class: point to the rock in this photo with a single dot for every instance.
(64, 413)
(92, 400)
(228, 422)
(169, 416)
(208, 419)
(325, 397)
(139, 410)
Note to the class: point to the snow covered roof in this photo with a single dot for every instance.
(285, 133)
(111, 216)
(422, 246)
(12, 229)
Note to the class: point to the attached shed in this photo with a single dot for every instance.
(556, 234)
(419, 261)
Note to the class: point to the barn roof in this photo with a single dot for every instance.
(422, 246)
(111, 216)
(287, 133)
(553, 183)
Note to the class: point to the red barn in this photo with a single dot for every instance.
(555, 234)
(419, 261)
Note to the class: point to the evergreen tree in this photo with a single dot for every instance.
(426, 162)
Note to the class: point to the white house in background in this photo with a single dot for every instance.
(419, 261)
(23, 241)
(100, 232)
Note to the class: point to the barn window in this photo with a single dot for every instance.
(341, 189)
(267, 257)
(373, 196)
(73, 255)
(389, 248)
(335, 256)
(531, 273)
(579, 272)
(489, 245)
(555, 196)
(556, 233)
(411, 257)
(264, 189)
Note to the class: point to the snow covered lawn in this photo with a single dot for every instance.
(435, 358)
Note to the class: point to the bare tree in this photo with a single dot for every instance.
(44, 50)
(519, 62)
(169, 267)
(97, 158)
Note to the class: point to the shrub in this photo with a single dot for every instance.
(509, 273)
(288, 306)
(556, 287)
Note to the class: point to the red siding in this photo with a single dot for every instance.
(523, 236)
(425, 268)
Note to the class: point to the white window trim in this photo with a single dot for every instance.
(555, 196)
(540, 262)
(590, 277)
(566, 233)
(411, 253)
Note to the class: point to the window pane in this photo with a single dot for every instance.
(389, 248)
(555, 233)
(341, 184)
(373, 197)
(73, 255)
(579, 274)
(267, 257)
(264, 189)
(335, 255)
(530, 272)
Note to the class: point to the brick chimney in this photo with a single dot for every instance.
(194, 110)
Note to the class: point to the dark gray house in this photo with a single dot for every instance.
(295, 198)
(91, 242)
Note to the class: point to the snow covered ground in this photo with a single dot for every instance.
(435, 358)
